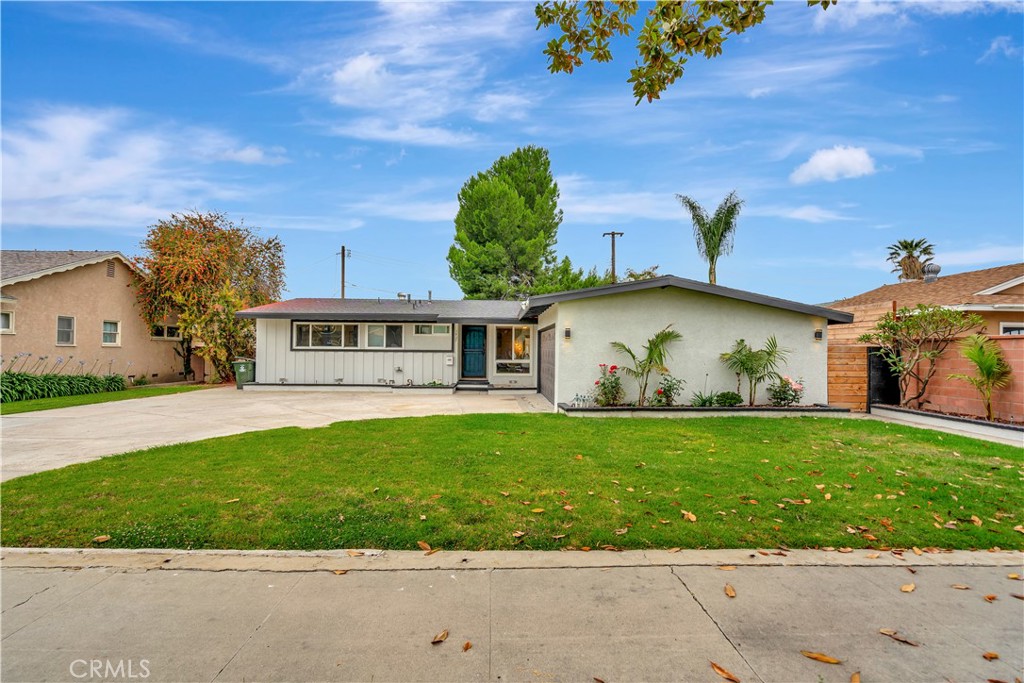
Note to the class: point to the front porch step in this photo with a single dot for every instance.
(473, 385)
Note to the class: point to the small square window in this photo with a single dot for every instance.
(7, 322)
(111, 333)
(1011, 328)
(65, 331)
(384, 336)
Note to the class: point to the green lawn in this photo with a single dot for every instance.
(86, 399)
(540, 482)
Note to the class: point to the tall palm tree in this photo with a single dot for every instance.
(991, 371)
(713, 235)
(909, 257)
(654, 358)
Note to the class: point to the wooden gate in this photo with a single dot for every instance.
(547, 364)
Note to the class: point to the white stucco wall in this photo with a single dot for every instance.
(709, 324)
(423, 360)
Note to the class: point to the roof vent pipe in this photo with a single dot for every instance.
(430, 295)
(931, 272)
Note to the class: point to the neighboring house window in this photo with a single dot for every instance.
(111, 333)
(65, 331)
(513, 350)
(326, 336)
(384, 336)
(431, 329)
(7, 322)
(1011, 328)
(165, 332)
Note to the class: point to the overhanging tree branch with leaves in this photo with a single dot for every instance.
(913, 339)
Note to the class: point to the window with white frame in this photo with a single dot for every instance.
(431, 329)
(65, 330)
(384, 336)
(111, 333)
(1011, 328)
(171, 332)
(326, 336)
(512, 350)
(7, 322)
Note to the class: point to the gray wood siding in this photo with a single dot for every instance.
(276, 360)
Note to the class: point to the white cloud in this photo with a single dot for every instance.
(886, 15)
(383, 130)
(586, 201)
(833, 164)
(74, 167)
(809, 213)
(1000, 46)
(1012, 253)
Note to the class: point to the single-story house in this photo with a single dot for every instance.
(81, 307)
(551, 343)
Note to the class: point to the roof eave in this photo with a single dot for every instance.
(35, 275)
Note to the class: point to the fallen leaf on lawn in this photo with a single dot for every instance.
(727, 567)
(974, 518)
(355, 553)
(621, 532)
(423, 518)
(724, 673)
(432, 551)
(689, 516)
(991, 598)
(730, 591)
(674, 550)
(467, 646)
(1019, 527)
(233, 500)
(537, 511)
(908, 588)
(440, 637)
(828, 496)
(518, 534)
(423, 545)
(505, 493)
(820, 487)
(819, 657)
(435, 496)
(855, 677)
(896, 636)
(990, 656)
(568, 507)
(960, 587)
(340, 572)
(579, 456)
(101, 539)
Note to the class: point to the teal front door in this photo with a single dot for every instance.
(474, 351)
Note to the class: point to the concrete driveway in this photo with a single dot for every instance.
(49, 439)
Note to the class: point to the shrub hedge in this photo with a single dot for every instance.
(22, 386)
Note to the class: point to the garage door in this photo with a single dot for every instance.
(547, 364)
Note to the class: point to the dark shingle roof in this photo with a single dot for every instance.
(482, 311)
(947, 290)
(20, 265)
(538, 304)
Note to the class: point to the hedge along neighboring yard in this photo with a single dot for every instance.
(88, 399)
(537, 482)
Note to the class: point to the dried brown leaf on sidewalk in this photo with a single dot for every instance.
(724, 673)
(991, 598)
(820, 657)
(855, 677)
(341, 572)
(730, 591)
(467, 646)
(990, 656)
(961, 587)
(440, 637)
(908, 587)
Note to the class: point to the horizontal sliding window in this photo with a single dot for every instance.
(326, 336)
(384, 336)
(431, 329)
(512, 352)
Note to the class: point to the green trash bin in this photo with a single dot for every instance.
(245, 371)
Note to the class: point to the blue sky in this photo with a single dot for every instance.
(357, 123)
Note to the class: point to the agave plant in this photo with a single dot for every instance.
(655, 355)
(991, 371)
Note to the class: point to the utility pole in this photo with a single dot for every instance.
(345, 253)
(613, 235)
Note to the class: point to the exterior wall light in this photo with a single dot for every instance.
(568, 333)
(818, 334)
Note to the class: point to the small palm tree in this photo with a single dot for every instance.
(757, 366)
(655, 355)
(735, 360)
(909, 257)
(713, 235)
(991, 371)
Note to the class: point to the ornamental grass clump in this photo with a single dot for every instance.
(786, 391)
(608, 389)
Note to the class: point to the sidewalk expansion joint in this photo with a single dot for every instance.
(715, 622)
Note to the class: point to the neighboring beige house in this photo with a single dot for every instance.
(80, 306)
(550, 344)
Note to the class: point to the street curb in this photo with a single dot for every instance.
(404, 560)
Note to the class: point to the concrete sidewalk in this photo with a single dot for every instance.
(48, 439)
(632, 616)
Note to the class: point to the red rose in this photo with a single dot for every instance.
(661, 391)
(597, 381)
(613, 368)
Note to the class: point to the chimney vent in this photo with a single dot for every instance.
(931, 272)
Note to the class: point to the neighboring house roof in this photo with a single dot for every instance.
(482, 311)
(18, 266)
(437, 310)
(537, 304)
(973, 290)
